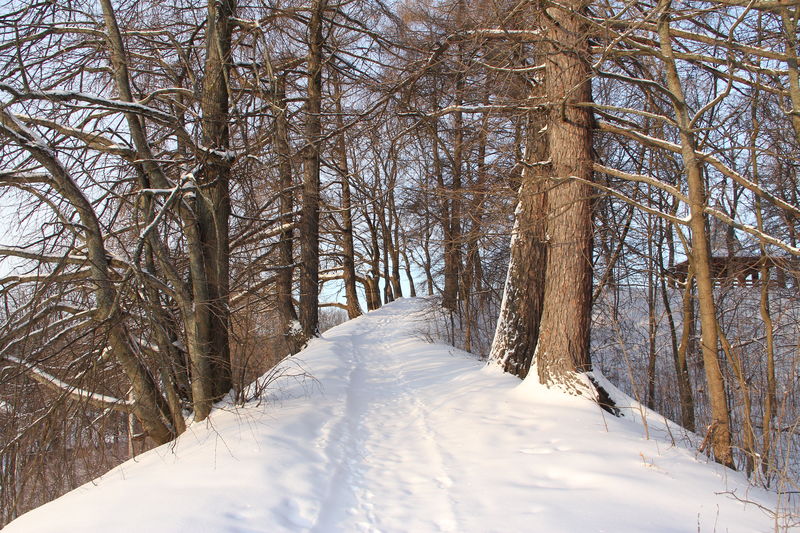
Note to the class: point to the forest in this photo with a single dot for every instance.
(191, 191)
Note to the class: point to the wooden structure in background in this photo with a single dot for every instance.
(743, 270)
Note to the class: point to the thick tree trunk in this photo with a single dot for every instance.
(517, 329)
(372, 279)
(150, 406)
(284, 283)
(563, 346)
(214, 219)
(309, 222)
(372, 292)
(445, 216)
(206, 227)
(452, 218)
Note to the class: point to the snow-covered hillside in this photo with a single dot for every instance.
(395, 434)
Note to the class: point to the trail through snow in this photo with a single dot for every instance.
(395, 434)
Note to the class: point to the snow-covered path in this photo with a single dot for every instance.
(367, 439)
(395, 434)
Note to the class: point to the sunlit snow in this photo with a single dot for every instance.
(395, 434)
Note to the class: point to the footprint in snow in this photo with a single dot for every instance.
(292, 514)
(536, 451)
(444, 482)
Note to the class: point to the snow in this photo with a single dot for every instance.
(395, 434)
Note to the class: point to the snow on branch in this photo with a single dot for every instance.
(613, 192)
(95, 399)
(640, 178)
(501, 33)
(647, 140)
(69, 259)
(22, 176)
(716, 213)
(11, 281)
(475, 109)
(764, 5)
(36, 335)
(107, 103)
(93, 140)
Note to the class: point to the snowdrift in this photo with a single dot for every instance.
(395, 434)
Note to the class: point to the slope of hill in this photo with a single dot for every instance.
(395, 434)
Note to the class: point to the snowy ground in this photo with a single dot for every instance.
(400, 435)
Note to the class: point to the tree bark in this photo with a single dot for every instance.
(517, 331)
(719, 430)
(452, 216)
(563, 346)
(284, 283)
(770, 396)
(348, 248)
(686, 347)
(214, 218)
(309, 221)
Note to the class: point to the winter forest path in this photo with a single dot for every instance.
(422, 437)
(385, 457)
(374, 429)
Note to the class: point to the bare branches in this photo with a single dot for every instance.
(100, 401)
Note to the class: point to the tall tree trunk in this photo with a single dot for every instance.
(445, 217)
(426, 252)
(309, 222)
(719, 432)
(517, 330)
(452, 243)
(388, 294)
(286, 311)
(678, 350)
(747, 433)
(348, 248)
(770, 399)
(563, 347)
(214, 220)
(372, 280)
(144, 390)
(652, 320)
(471, 281)
(394, 251)
(789, 19)
(411, 286)
(206, 228)
(686, 347)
